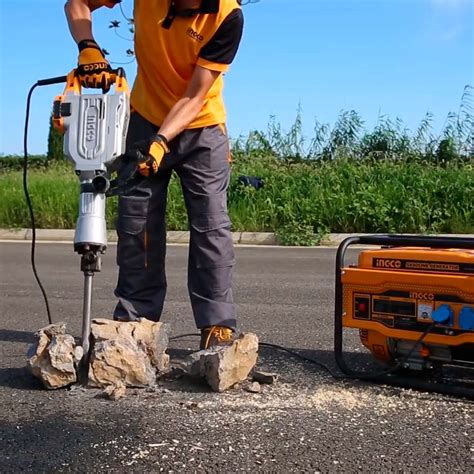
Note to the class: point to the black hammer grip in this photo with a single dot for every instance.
(52, 80)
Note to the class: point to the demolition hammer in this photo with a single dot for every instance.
(94, 128)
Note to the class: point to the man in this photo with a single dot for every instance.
(182, 48)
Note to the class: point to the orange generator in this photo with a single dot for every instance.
(412, 300)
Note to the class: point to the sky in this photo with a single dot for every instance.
(399, 58)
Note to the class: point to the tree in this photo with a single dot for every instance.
(55, 143)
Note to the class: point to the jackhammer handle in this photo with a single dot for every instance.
(52, 80)
(119, 72)
(117, 78)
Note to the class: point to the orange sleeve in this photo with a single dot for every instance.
(212, 65)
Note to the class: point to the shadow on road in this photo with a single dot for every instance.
(19, 378)
(62, 443)
(10, 335)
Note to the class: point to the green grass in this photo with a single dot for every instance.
(342, 195)
(349, 195)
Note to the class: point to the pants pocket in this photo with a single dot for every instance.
(211, 241)
(132, 236)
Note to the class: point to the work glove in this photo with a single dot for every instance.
(155, 155)
(148, 154)
(93, 70)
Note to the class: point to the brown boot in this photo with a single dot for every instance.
(215, 336)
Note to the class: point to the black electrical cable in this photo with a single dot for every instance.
(304, 358)
(275, 346)
(41, 82)
(374, 377)
(370, 376)
(29, 203)
(182, 336)
(400, 362)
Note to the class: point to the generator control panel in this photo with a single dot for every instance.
(413, 310)
(403, 290)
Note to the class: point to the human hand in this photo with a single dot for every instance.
(93, 69)
(156, 153)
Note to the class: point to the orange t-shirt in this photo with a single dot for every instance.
(169, 45)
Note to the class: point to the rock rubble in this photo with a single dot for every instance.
(224, 367)
(54, 357)
(133, 354)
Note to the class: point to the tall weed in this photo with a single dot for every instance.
(344, 179)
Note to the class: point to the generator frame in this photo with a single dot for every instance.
(390, 376)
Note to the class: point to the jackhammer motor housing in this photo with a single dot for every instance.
(94, 127)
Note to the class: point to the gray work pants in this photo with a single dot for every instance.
(200, 159)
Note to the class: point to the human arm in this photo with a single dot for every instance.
(184, 111)
(79, 17)
(214, 59)
(93, 69)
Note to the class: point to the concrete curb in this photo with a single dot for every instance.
(173, 237)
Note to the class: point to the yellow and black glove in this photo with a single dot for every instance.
(93, 70)
(151, 161)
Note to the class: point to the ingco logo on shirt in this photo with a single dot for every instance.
(194, 35)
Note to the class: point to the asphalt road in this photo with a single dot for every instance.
(307, 422)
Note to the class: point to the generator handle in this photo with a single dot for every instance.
(338, 302)
(388, 240)
(432, 241)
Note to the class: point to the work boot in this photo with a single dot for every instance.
(215, 336)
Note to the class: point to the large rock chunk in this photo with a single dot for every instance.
(54, 356)
(120, 360)
(133, 353)
(223, 367)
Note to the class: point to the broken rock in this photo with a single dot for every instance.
(132, 353)
(52, 358)
(115, 392)
(253, 387)
(264, 377)
(120, 360)
(223, 367)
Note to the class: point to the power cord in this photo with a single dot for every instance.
(30, 205)
(460, 395)
(41, 82)
(182, 336)
(326, 368)
(281, 348)
(304, 358)
(399, 363)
